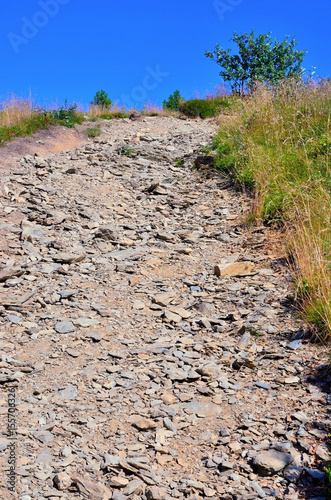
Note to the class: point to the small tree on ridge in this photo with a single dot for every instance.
(260, 59)
(101, 99)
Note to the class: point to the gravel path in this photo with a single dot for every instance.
(147, 338)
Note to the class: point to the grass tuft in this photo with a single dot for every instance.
(93, 131)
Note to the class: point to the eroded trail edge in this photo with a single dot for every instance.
(146, 332)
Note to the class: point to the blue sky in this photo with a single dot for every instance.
(141, 50)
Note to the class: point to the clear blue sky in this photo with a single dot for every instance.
(141, 49)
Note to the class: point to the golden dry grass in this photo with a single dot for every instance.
(149, 109)
(14, 110)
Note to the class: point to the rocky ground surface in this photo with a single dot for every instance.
(147, 333)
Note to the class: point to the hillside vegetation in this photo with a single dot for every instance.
(20, 118)
(276, 144)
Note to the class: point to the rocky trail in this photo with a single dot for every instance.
(147, 334)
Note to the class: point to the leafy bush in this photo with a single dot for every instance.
(93, 131)
(260, 59)
(101, 99)
(66, 115)
(204, 108)
(174, 101)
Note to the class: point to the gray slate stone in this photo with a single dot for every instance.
(64, 327)
(272, 461)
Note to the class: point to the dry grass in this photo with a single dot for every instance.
(97, 111)
(14, 110)
(309, 238)
(277, 144)
(149, 109)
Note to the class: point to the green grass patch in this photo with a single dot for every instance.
(125, 151)
(205, 108)
(27, 127)
(93, 131)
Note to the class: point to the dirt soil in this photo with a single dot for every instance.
(52, 140)
(150, 349)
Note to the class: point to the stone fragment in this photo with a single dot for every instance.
(166, 237)
(296, 344)
(45, 457)
(263, 385)
(64, 327)
(301, 416)
(126, 267)
(108, 233)
(134, 487)
(244, 341)
(70, 392)
(168, 399)
(172, 317)
(138, 305)
(91, 489)
(118, 481)
(62, 481)
(118, 495)
(180, 312)
(141, 423)
(235, 269)
(10, 272)
(85, 322)
(68, 258)
(94, 336)
(169, 425)
(316, 474)
(292, 380)
(163, 299)
(292, 473)
(209, 492)
(272, 461)
(155, 493)
(31, 232)
(43, 436)
(258, 489)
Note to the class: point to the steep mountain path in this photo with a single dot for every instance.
(145, 334)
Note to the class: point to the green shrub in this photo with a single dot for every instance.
(125, 151)
(204, 108)
(101, 99)
(66, 115)
(174, 101)
(93, 131)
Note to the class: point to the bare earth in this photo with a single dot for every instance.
(141, 370)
